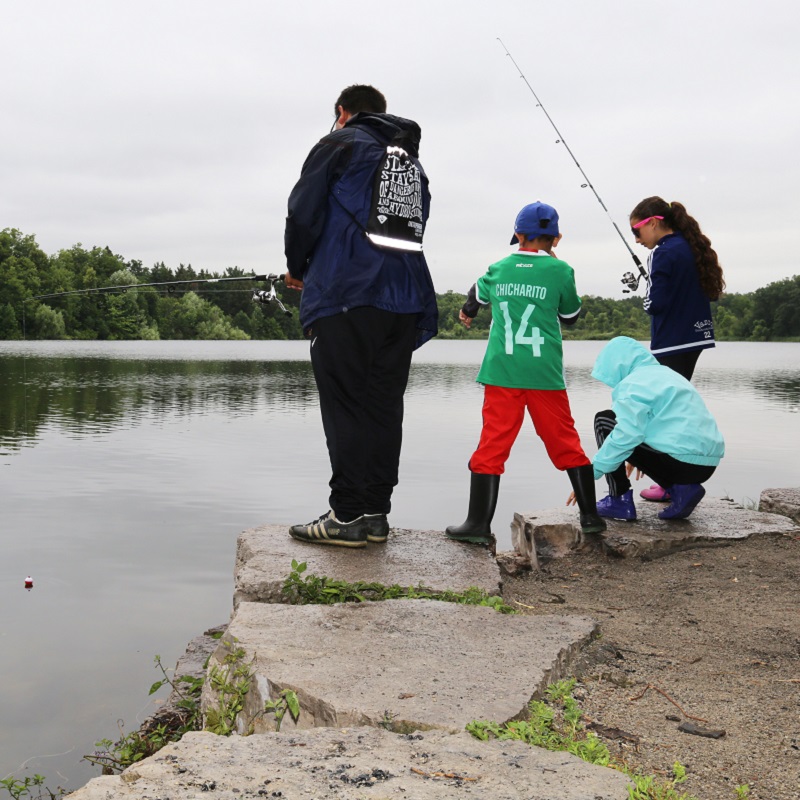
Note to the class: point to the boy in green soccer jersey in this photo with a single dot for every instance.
(531, 292)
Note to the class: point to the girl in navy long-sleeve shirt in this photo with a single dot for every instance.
(685, 276)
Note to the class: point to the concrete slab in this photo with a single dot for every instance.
(781, 501)
(554, 532)
(410, 558)
(401, 664)
(329, 764)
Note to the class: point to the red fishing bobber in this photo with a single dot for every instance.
(29, 582)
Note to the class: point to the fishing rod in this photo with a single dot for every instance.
(260, 296)
(628, 279)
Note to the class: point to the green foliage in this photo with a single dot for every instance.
(555, 724)
(286, 701)
(769, 313)
(143, 313)
(46, 323)
(321, 590)
(30, 788)
(450, 327)
(131, 747)
(231, 683)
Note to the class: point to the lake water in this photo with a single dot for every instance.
(128, 469)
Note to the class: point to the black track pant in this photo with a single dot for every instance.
(662, 468)
(361, 360)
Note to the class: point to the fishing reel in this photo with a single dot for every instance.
(266, 296)
(631, 281)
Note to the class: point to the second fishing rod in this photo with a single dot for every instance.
(629, 279)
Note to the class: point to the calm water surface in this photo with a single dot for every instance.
(128, 469)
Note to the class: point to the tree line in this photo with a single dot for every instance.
(226, 311)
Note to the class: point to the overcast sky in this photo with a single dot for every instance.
(174, 131)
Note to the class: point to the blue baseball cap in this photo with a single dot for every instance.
(536, 219)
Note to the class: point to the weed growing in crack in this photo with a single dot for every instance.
(321, 590)
(287, 701)
(555, 724)
(231, 682)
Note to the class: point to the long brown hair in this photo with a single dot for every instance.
(675, 216)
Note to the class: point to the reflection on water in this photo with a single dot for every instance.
(93, 396)
(128, 469)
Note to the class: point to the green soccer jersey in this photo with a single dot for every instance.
(527, 292)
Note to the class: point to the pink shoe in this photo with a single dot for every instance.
(656, 493)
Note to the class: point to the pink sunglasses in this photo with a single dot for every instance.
(635, 228)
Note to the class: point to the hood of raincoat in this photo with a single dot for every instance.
(621, 356)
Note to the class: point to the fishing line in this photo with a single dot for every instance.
(100, 289)
(259, 296)
(629, 279)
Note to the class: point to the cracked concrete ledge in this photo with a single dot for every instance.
(553, 533)
(356, 764)
(781, 501)
(410, 558)
(403, 664)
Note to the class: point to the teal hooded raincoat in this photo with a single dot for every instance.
(654, 405)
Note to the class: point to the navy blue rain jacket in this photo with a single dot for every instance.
(326, 246)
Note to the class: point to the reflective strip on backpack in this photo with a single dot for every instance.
(397, 244)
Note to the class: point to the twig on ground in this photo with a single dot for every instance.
(662, 692)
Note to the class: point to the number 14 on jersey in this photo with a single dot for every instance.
(535, 340)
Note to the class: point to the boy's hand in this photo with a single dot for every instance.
(629, 468)
(571, 500)
(464, 318)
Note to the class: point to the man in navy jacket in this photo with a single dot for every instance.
(368, 301)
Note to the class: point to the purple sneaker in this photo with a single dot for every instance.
(656, 493)
(619, 507)
(684, 499)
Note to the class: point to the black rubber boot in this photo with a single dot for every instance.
(477, 529)
(582, 480)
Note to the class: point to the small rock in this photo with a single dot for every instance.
(709, 733)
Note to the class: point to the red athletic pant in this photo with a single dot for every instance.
(503, 412)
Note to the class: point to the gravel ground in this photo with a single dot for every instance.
(708, 633)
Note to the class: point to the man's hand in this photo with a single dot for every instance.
(292, 283)
(571, 500)
(464, 318)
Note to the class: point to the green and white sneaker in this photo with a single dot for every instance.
(329, 530)
(377, 527)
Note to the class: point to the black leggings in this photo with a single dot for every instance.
(682, 363)
(662, 468)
